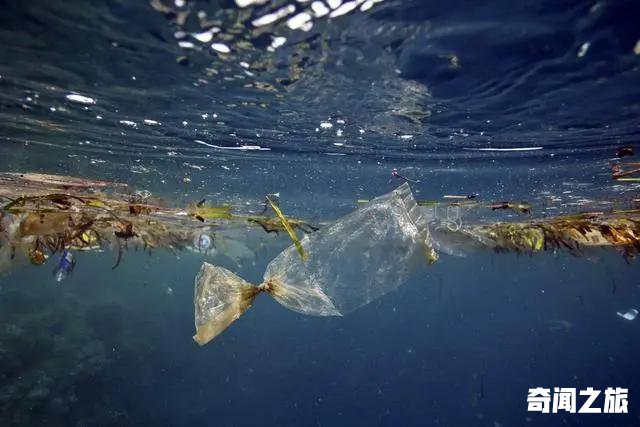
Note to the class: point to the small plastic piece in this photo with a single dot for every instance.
(203, 242)
(221, 297)
(630, 314)
(350, 263)
(65, 266)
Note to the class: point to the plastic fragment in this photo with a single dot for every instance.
(203, 242)
(630, 314)
(65, 266)
(221, 297)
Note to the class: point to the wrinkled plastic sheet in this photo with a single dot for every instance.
(350, 263)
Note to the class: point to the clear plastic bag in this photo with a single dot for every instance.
(350, 263)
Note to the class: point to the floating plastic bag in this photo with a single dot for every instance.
(350, 263)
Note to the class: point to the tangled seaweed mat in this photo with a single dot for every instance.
(43, 215)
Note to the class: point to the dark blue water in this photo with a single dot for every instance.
(507, 100)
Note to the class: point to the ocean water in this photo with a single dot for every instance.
(519, 100)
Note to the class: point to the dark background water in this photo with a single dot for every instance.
(429, 83)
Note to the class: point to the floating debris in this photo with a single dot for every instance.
(47, 214)
(220, 47)
(574, 233)
(349, 264)
(584, 48)
(65, 266)
(80, 99)
(128, 123)
(630, 314)
(43, 215)
(203, 242)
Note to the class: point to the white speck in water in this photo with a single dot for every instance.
(339, 132)
(319, 9)
(220, 47)
(503, 149)
(298, 21)
(366, 5)
(204, 37)
(344, 9)
(128, 123)
(186, 45)
(583, 49)
(151, 122)
(276, 43)
(630, 314)
(74, 97)
(192, 166)
(245, 3)
(326, 125)
(270, 18)
(241, 148)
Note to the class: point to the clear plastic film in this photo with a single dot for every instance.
(357, 259)
(220, 298)
(350, 263)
